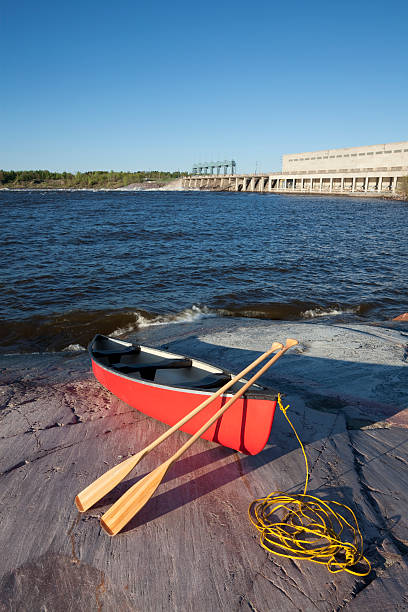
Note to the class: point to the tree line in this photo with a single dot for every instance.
(93, 179)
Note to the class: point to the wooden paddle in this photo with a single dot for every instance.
(137, 496)
(105, 483)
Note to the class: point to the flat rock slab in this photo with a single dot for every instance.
(192, 546)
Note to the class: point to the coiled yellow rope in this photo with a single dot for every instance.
(310, 528)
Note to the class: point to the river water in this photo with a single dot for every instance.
(77, 263)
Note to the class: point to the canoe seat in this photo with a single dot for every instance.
(212, 381)
(114, 355)
(148, 370)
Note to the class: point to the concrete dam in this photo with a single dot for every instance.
(375, 170)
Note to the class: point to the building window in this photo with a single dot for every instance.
(332, 156)
(339, 156)
(379, 152)
(370, 153)
(354, 155)
(398, 151)
(360, 154)
(347, 155)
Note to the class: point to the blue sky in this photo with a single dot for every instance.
(128, 85)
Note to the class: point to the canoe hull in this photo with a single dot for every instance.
(245, 426)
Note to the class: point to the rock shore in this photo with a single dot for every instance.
(175, 185)
(192, 546)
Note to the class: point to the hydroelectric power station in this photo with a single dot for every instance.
(375, 169)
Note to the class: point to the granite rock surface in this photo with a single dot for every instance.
(192, 546)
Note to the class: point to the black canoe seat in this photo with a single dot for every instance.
(114, 355)
(148, 370)
(212, 381)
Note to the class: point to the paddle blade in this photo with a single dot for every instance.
(105, 483)
(133, 500)
(291, 342)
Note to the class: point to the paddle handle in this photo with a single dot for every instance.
(290, 342)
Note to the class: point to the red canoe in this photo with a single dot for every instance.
(167, 386)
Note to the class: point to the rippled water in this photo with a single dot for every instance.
(73, 263)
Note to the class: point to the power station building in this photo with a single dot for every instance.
(354, 170)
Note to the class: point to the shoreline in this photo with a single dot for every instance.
(381, 196)
(55, 332)
(347, 388)
(174, 185)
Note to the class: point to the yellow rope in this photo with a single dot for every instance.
(310, 528)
